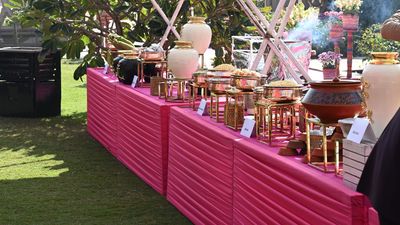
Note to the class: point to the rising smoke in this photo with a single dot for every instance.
(311, 29)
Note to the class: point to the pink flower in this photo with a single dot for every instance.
(328, 59)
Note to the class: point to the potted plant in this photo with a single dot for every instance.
(328, 60)
(335, 24)
(350, 9)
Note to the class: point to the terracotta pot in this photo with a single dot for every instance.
(381, 80)
(350, 22)
(331, 101)
(183, 60)
(198, 32)
(329, 74)
(336, 32)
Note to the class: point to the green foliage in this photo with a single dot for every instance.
(299, 14)
(73, 25)
(371, 41)
(226, 20)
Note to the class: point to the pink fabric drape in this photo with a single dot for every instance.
(143, 136)
(101, 109)
(266, 188)
(200, 168)
(214, 175)
(373, 217)
(132, 125)
(272, 189)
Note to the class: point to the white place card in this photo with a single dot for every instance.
(135, 80)
(361, 130)
(248, 129)
(202, 110)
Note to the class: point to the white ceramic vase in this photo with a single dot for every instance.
(381, 79)
(198, 32)
(183, 60)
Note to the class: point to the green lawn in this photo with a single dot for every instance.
(53, 172)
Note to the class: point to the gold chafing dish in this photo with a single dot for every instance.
(218, 85)
(282, 94)
(200, 77)
(246, 82)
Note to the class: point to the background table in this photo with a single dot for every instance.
(101, 110)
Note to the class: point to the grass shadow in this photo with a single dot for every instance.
(53, 172)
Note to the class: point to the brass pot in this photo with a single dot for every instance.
(283, 94)
(246, 83)
(218, 85)
(331, 101)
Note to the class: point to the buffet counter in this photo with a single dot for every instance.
(212, 171)
(101, 109)
(274, 189)
(209, 172)
(200, 167)
(132, 124)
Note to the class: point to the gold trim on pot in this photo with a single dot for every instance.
(385, 58)
(183, 45)
(197, 20)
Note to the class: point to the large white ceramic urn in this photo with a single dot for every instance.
(198, 32)
(183, 60)
(381, 79)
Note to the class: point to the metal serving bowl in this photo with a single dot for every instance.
(218, 85)
(200, 77)
(283, 94)
(246, 82)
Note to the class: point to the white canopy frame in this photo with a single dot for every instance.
(169, 22)
(273, 38)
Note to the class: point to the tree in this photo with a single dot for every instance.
(73, 25)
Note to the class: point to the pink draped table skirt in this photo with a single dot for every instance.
(209, 172)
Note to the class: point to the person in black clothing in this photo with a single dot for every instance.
(380, 180)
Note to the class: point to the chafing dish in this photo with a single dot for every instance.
(218, 85)
(283, 94)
